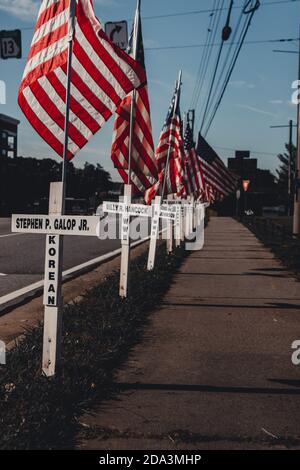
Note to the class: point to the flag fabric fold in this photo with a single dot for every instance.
(101, 76)
(218, 180)
(194, 177)
(170, 142)
(144, 173)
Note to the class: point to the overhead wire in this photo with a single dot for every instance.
(226, 60)
(200, 68)
(209, 54)
(216, 68)
(251, 13)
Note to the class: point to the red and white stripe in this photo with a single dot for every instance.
(194, 176)
(102, 75)
(171, 137)
(143, 164)
(219, 183)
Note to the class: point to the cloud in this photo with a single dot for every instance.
(28, 9)
(276, 102)
(255, 110)
(241, 84)
(161, 84)
(23, 9)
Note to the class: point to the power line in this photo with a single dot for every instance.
(213, 33)
(202, 62)
(216, 67)
(226, 61)
(190, 46)
(241, 39)
(227, 79)
(197, 12)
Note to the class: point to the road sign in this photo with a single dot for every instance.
(11, 44)
(118, 33)
(246, 184)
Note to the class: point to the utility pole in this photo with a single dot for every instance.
(290, 175)
(296, 224)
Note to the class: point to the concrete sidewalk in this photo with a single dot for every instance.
(214, 370)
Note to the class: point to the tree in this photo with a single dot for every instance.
(283, 172)
(25, 181)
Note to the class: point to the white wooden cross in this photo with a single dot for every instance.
(55, 226)
(164, 211)
(126, 211)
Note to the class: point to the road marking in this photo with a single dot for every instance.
(1, 274)
(38, 285)
(10, 235)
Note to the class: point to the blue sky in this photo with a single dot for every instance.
(258, 95)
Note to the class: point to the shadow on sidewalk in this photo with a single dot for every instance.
(214, 389)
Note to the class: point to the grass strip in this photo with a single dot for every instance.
(98, 332)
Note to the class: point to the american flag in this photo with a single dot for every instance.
(171, 138)
(144, 172)
(101, 76)
(219, 181)
(194, 176)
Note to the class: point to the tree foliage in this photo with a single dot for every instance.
(24, 181)
(283, 170)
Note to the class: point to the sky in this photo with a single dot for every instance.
(258, 95)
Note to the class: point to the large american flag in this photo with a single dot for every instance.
(101, 76)
(144, 172)
(194, 177)
(219, 181)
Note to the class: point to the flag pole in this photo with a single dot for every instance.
(125, 252)
(178, 86)
(68, 93)
(57, 197)
(136, 32)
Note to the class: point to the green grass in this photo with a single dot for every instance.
(41, 413)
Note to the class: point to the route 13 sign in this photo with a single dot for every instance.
(10, 44)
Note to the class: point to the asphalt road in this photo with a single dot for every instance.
(22, 256)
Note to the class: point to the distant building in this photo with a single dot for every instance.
(262, 190)
(8, 136)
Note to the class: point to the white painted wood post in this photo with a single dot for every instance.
(170, 230)
(177, 226)
(125, 240)
(182, 221)
(154, 233)
(187, 217)
(195, 221)
(52, 289)
(192, 201)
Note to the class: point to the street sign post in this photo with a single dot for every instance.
(11, 44)
(118, 33)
